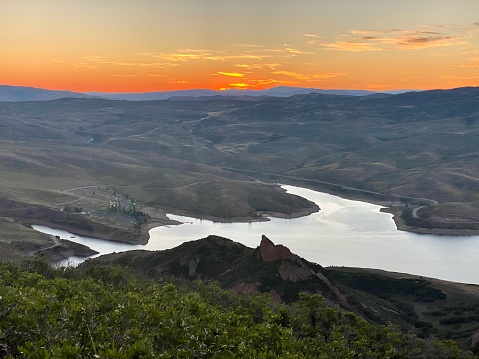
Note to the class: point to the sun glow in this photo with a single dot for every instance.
(94, 47)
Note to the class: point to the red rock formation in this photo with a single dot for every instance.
(269, 252)
(293, 268)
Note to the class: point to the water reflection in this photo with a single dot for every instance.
(343, 233)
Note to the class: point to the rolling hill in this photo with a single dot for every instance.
(216, 158)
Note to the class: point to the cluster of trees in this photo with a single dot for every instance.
(108, 312)
(130, 211)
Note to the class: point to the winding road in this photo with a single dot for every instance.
(56, 243)
(342, 187)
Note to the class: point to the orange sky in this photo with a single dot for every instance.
(146, 45)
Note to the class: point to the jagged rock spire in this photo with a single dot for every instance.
(271, 252)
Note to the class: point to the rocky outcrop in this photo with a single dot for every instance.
(293, 268)
(271, 252)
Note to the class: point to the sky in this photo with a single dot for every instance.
(160, 45)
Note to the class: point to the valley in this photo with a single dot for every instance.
(217, 157)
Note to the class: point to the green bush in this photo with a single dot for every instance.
(108, 312)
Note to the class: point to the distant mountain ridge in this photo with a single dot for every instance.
(22, 93)
(280, 91)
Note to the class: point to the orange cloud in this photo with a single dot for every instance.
(94, 58)
(421, 40)
(305, 77)
(126, 75)
(459, 77)
(266, 82)
(141, 74)
(82, 65)
(78, 65)
(199, 64)
(471, 66)
(231, 74)
(203, 55)
(292, 74)
(249, 45)
(240, 85)
(251, 59)
(297, 52)
(472, 63)
(100, 60)
(355, 46)
(380, 40)
(257, 66)
(256, 84)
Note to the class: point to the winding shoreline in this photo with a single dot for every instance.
(144, 236)
(394, 208)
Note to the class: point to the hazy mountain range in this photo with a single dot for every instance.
(20, 93)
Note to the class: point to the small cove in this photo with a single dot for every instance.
(344, 233)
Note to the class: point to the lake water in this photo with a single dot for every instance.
(344, 233)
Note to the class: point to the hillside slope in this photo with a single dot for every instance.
(423, 305)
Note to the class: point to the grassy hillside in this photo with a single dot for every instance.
(206, 158)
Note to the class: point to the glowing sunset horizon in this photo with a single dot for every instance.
(144, 46)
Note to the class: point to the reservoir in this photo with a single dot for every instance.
(344, 233)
